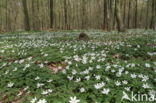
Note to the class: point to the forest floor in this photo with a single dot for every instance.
(55, 67)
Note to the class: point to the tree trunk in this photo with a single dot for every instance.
(155, 17)
(26, 15)
(152, 18)
(120, 25)
(136, 12)
(124, 11)
(108, 14)
(51, 14)
(104, 13)
(65, 14)
(83, 13)
(129, 8)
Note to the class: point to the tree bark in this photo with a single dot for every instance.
(152, 18)
(136, 12)
(26, 15)
(129, 8)
(120, 25)
(65, 14)
(51, 14)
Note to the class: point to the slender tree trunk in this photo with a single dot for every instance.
(26, 15)
(155, 17)
(51, 14)
(108, 14)
(1, 23)
(124, 18)
(136, 12)
(114, 18)
(104, 13)
(129, 8)
(152, 18)
(6, 16)
(120, 24)
(83, 13)
(33, 15)
(65, 14)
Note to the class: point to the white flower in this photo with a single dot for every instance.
(26, 88)
(14, 69)
(39, 85)
(108, 67)
(70, 77)
(87, 77)
(41, 65)
(99, 85)
(90, 68)
(132, 65)
(151, 54)
(127, 88)
(76, 58)
(105, 91)
(6, 72)
(146, 86)
(115, 66)
(2, 51)
(50, 90)
(42, 101)
(98, 77)
(49, 81)
(118, 74)
(45, 55)
(21, 61)
(67, 67)
(124, 82)
(74, 100)
(69, 62)
(10, 85)
(29, 58)
(85, 72)
(145, 78)
(78, 79)
(74, 72)
(98, 67)
(133, 75)
(4, 64)
(37, 78)
(138, 46)
(117, 83)
(112, 70)
(27, 65)
(147, 65)
(126, 72)
(152, 92)
(45, 92)
(82, 90)
(84, 61)
(90, 61)
(107, 79)
(33, 100)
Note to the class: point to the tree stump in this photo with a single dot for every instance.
(83, 36)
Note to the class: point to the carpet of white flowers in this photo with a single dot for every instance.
(56, 67)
